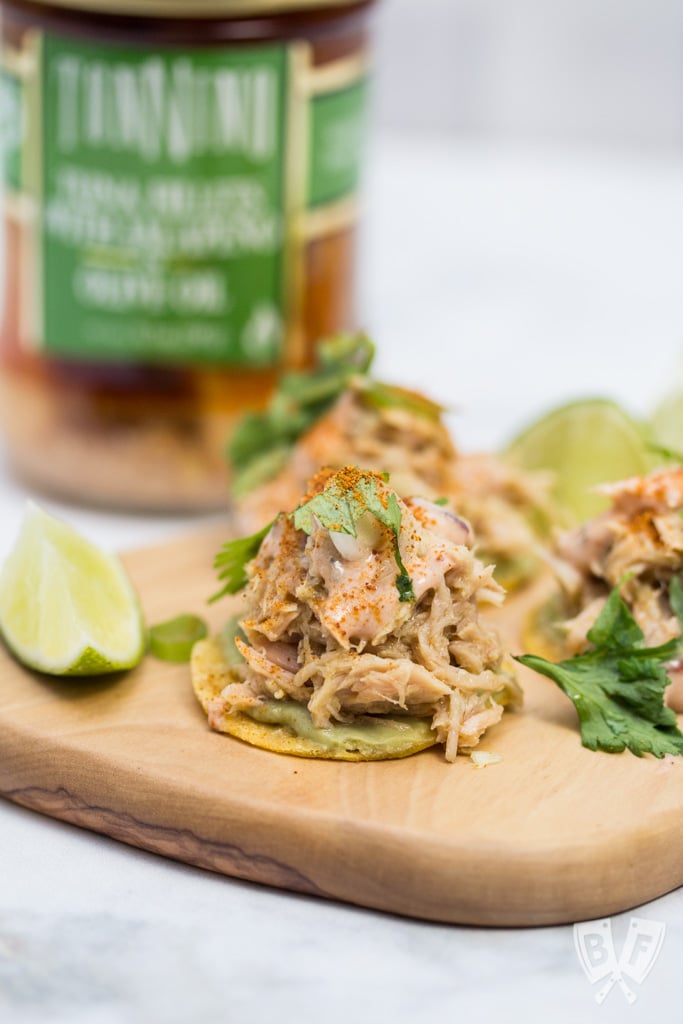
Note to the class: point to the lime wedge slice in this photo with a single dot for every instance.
(585, 443)
(667, 423)
(67, 608)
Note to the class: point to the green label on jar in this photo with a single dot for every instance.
(337, 140)
(163, 232)
(11, 129)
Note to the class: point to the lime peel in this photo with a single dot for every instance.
(667, 425)
(67, 608)
(174, 639)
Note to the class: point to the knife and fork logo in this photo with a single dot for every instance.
(597, 955)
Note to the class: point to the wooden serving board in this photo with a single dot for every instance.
(553, 833)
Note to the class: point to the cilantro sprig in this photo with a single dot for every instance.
(262, 442)
(617, 686)
(349, 495)
(391, 396)
(232, 559)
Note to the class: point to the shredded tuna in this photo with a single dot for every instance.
(360, 649)
(636, 545)
(503, 504)
(498, 502)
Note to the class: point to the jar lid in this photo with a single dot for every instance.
(201, 8)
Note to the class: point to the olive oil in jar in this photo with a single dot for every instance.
(180, 212)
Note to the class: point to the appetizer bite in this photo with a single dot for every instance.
(636, 547)
(339, 415)
(511, 513)
(360, 636)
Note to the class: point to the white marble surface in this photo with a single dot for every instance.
(501, 283)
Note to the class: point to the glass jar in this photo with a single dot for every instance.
(180, 210)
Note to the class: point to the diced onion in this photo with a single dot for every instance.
(368, 536)
(482, 758)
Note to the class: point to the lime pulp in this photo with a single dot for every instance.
(67, 608)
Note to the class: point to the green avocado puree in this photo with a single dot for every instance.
(370, 734)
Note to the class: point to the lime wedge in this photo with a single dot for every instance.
(67, 608)
(667, 423)
(585, 443)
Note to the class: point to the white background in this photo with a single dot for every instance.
(530, 209)
(605, 73)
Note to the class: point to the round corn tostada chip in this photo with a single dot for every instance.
(373, 739)
(541, 633)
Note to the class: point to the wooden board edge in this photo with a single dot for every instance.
(339, 869)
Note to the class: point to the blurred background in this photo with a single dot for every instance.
(525, 203)
(522, 228)
(603, 73)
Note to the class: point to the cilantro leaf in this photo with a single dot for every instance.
(262, 467)
(617, 686)
(664, 453)
(232, 559)
(615, 626)
(352, 352)
(262, 442)
(391, 517)
(346, 498)
(384, 396)
(676, 598)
